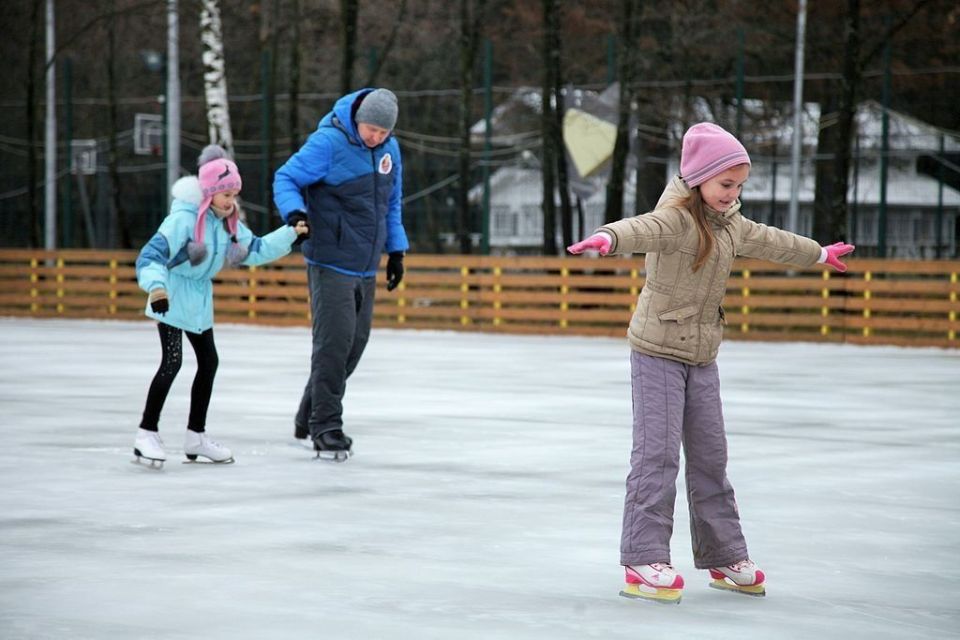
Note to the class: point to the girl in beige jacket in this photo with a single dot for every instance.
(691, 239)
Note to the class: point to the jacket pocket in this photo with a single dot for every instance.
(680, 315)
(679, 330)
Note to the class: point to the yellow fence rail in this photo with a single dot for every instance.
(876, 302)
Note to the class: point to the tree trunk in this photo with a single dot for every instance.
(548, 122)
(215, 76)
(554, 60)
(349, 11)
(294, 93)
(116, 202)
(469, 37)
(626, 72)
(36, 228)
(834, 139)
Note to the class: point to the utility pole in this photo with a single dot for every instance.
(792, 220)
(50, 139)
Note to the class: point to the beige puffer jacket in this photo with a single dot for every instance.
(678, 313)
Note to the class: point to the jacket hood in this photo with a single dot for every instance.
(677, 191)
(343, 112)
(187, 189)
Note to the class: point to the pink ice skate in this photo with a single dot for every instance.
(743, 577)
(658, 581)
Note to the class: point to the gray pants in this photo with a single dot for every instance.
(342, 308)
(676, 403)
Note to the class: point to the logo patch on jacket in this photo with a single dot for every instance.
(386, 164)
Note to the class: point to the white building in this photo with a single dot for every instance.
(915, 200)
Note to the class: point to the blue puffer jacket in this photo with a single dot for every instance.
(351, 194)
(163, 263)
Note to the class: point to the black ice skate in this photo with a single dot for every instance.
(300, 431)
(334, 446)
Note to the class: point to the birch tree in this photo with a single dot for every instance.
(215, 76)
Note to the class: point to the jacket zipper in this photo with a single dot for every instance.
(376, 208)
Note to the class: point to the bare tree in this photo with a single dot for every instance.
(626, 73)
(548, 122)
(349, 11)
(294, 91)
(268, 51)
(553, 61)
(470, 13)
(36, 228)
(836, 133)
(117, 209)
(391, 40)
(215, 76)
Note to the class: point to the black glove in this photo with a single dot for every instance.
(293, 219)
(394, 270)
(159, 303)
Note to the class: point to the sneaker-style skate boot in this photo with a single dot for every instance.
(149, 447)
(198, 444)
(333, 445)
(743, 577)
(658, 581)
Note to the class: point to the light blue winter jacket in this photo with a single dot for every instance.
(163, 262)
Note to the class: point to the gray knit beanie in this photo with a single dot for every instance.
(379, 108)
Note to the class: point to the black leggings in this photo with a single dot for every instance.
(171, 343)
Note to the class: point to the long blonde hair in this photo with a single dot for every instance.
(695, 205)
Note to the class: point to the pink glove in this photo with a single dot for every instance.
(598, 242)
(836, 251)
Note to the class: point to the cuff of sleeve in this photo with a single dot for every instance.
(823, 256)
(612, 236)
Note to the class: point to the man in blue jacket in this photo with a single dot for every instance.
(346, 183)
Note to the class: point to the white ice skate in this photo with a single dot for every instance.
(743, 577)
(198, 444)
(149, 447)
(658, 581)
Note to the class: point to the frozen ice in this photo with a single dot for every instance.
(484, 499)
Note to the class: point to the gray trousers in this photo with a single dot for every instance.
(342, 308)
(676, 403)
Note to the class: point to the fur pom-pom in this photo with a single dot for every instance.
(211, 152)
(196, 252)
(236, 254)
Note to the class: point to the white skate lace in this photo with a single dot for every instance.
(741, 566)
(659, 566)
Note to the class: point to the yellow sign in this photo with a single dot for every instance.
(589, 140)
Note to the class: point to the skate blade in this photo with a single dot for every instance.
(150, 463)
(757, 590)
(196, 459)
(333, 456)
(643, 592)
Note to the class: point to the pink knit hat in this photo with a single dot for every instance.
(709, 150)
(217, 173)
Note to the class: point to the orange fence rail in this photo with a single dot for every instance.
(898, 302)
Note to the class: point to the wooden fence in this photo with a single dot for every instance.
(876, 302)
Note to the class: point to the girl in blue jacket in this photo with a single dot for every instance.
(202, 235)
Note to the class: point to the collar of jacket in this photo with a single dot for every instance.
(342, 128)
(677, 191)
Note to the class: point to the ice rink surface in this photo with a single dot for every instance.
(484, 499)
